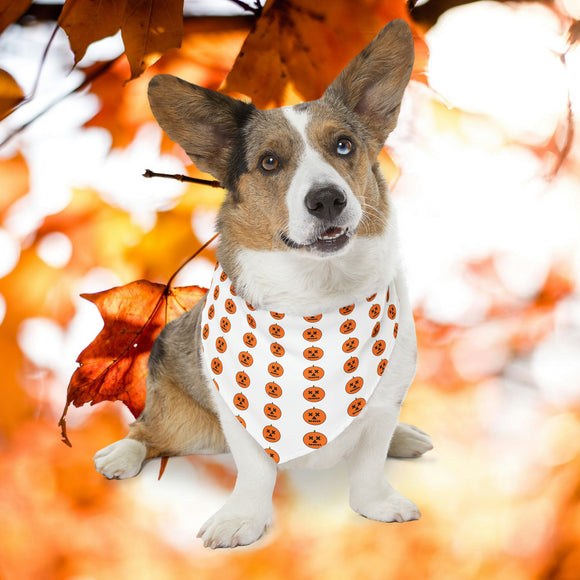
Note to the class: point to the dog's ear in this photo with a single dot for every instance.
(205, 123)
(372, 85)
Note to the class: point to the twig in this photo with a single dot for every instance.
(256, 9)
(186, 178)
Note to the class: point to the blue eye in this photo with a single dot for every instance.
(344, 146)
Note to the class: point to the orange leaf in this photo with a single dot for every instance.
(298, 47)
(114, 366)
(10, 93)
(12, 10)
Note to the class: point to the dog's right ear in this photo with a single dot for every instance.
(205, 123)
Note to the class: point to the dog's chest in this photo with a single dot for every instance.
(296, 382)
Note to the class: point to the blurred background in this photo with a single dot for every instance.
(484, 169)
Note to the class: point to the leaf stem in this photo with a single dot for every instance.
(186, 178)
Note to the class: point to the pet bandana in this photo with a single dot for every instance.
(295, 383)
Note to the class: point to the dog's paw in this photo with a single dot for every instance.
(121, 459)
(409, 441)
(229, 528)
(393, 508)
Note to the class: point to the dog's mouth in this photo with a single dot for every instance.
(329, 241)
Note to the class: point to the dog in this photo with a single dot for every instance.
(308, 252)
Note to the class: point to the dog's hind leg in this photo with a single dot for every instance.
(409, 441)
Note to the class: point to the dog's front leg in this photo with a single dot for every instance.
(247, 513)
(371, 495)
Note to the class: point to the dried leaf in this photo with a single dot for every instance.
(10, 93)
(12, 10)
(114, 366)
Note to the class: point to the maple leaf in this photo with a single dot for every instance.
(148, 27)
(114, 366)
(10, 93)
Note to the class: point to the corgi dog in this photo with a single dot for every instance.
(302, 352)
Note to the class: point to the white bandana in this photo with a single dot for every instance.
(295, 383)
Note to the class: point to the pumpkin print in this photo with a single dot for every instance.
(216, 366)
(382, 366)
(312, 334)
(392, 312)
(273, 454)
(351, 365)
(241, 420)
(313, 373)
(356, 407)
(277, 315)
(376, 329)
(223, 277)
(379, 347)
(274, 390)
(314, 416)
(347, 326)
(375, 311)
(313, 394)
(242, 379)
(230, 306)
(371, 298)
(277, 349)
(216, 385)
(225, 324)
(250, 340)
(246, 359)
(396, 329)
(350, 345)
(233, 291)
(216, 292)
(251, 321)
(249, 306)
(276, 331)
(240, 401)
(205, 331)
(314, 440)
(270, 433)
(354, 385)
(211, 312)
(313, 353)
(345, 310)
(314, 318)
(220, 344)
(275, 369)
(272, 411)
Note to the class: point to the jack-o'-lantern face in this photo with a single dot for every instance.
(313, 394)
(392, 312)
(275, 369)
(216, 366)
(216, 292)
(350, 344)
(272, 411)
(246, 359)
(313, 373)
(396, 329)
(230, 306)
(375, 311)
(242, 379)
(211, 312)
(376, 329)
(277, 349)
(273, 455)
(347, 309)
(241, 420)
(233, 291)
(371, 298)
(312, 334)
(356, 407)
(274, 390)
(347, 326)
(205, 331)
(225, 324)
(314, 416)
(277, 315)
(270, 433)
(250, 307)
(240, 402)
(314, 318)
(220, 344)
(251, 321)
(250, 340)
(276, 331)
(379, 347)
(314, 440)
(382, 366)
(313, 353)
(351, 364)
(354, 385)
(223, 277)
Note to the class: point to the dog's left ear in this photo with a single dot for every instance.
(372, 85)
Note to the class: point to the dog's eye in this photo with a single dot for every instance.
(269, 163)
(344, 146)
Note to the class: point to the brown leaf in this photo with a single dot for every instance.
(10, 93)
(12, 10)
(114, 366)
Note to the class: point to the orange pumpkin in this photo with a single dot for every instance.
(314, 440)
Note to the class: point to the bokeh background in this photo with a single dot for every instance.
(484, 169)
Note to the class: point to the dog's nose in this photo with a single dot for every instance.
(325, 202)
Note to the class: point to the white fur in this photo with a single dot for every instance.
(121, 459)
(313, 170)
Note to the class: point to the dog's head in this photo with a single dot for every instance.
(302, 178)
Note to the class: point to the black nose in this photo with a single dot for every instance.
(325, 203)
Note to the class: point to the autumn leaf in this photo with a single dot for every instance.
(148, 27)
(114, 366)
(10, 93)
(12, 10)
